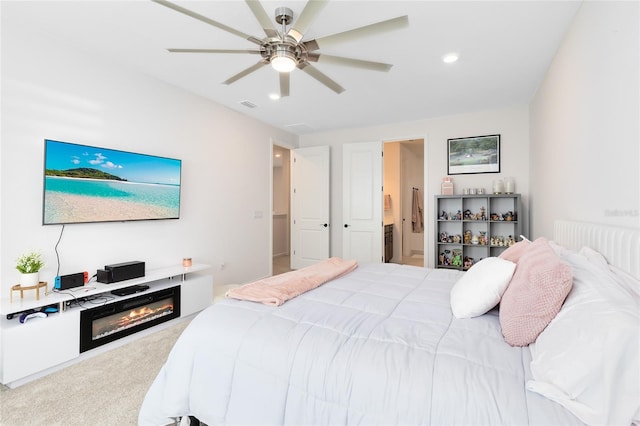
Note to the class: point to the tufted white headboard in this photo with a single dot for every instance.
(620, 246)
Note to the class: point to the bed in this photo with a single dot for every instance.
(381, 345)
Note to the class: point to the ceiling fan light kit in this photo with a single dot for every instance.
(285, 50)
(282, 59)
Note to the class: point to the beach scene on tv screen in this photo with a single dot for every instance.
(90, 184)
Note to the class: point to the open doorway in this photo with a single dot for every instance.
(281, 214)
(404, 201)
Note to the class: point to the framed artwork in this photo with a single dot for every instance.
(475, 154)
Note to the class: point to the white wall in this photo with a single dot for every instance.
(50, 92)
(511, 123)
(281, 182)
(585, 131)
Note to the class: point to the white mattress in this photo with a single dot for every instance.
(378, 346)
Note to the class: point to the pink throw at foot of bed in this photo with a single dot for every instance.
(278, 289)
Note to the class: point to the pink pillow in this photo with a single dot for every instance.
(513, 253)
(535, 294)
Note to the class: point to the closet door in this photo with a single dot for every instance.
(309, 206)
(362, 202)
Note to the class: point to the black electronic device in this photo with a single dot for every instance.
(130, 290)
(64, 282)
(121, 272)
(156, 179)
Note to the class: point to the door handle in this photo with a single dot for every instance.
(325, 225)
(346, 226)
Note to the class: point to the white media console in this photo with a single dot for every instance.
(29, 350)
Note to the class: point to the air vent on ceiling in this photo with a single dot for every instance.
(299, 128)
(248, 104)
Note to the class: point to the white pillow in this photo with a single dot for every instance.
(587, 359)
(481, 287)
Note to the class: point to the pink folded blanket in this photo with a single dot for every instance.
(278, 289)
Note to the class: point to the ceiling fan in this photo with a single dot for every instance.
(285, 50)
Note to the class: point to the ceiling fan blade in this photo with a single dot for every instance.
(311, 10)
(367, 30)
(245, 72)
(284, 84)
(349, 62)
(322, 78)
(262, 17)
(208, 21)
(214, 51)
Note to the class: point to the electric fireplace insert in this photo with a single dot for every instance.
(104, 324)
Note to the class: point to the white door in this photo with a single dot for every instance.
(362, 201)
(309, 206)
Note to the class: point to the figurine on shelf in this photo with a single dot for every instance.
(508, 216)
(475, 239)
(441, 259)
(482, 239)
(443, 237)
(468, 262)
(459, 215)
(495, 217)
(457, 239)
(456, 260)
(467, 237)
(443, 215)
(483, 214)
(467, 214)
(446, 261)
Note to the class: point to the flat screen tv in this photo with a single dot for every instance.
(86, 184)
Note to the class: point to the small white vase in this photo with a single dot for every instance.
(29, 280)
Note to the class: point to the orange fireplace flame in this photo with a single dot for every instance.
(138, 314)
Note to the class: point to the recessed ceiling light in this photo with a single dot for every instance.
(450, 58)
(274, 96)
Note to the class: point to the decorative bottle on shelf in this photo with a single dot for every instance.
(447, 186)
(509, 185)
(498, 186)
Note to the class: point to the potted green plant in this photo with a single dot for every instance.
(29, 265)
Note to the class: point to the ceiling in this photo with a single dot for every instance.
(505, 48)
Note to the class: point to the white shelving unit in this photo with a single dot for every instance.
(31, 348)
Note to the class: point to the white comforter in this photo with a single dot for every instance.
(378, 346)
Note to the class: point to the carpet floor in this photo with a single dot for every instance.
(106, 389)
